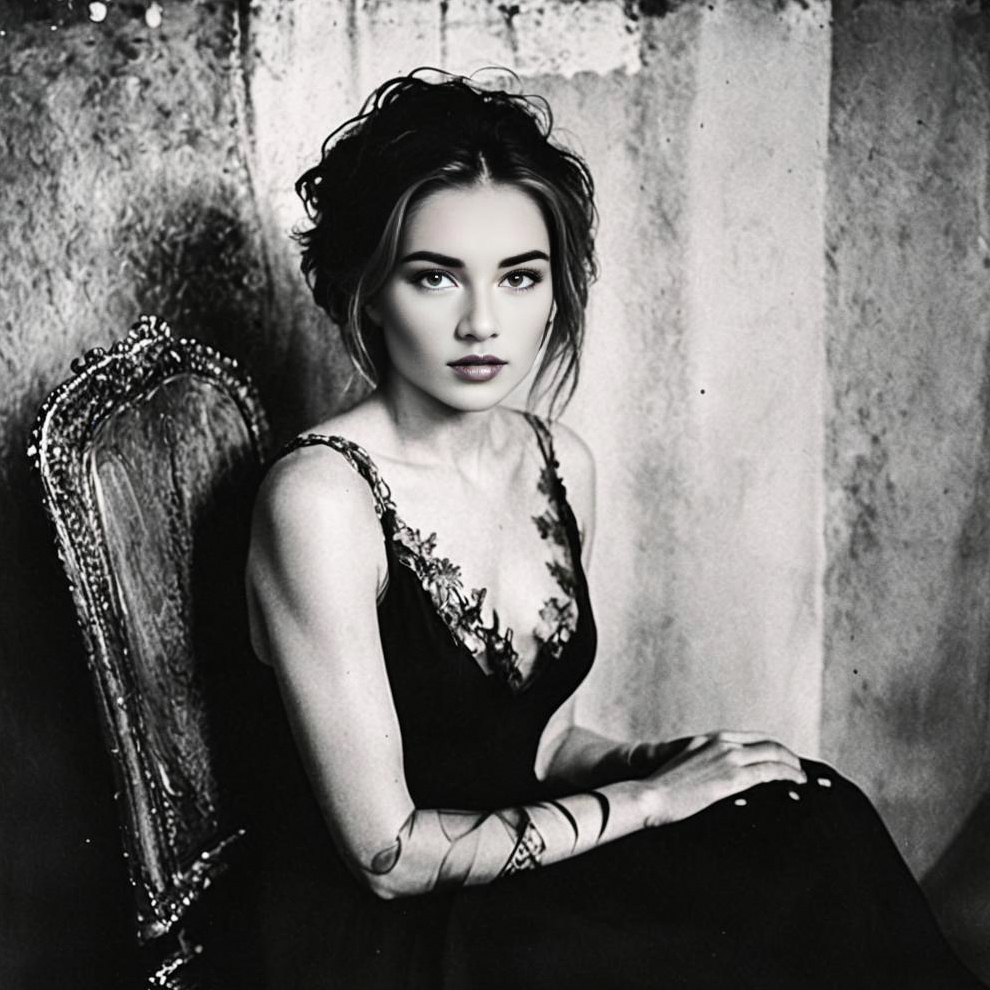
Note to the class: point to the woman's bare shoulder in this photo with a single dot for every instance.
(311, 475)
(318, 473)
(316, 553)
(573, 451)
(314, 506)
(577, 463)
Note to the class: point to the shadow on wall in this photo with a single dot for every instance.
(958, 883)
(201, 270)
(206, 272)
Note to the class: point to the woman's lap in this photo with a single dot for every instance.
(796, 887)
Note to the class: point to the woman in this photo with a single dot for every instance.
(472, 835)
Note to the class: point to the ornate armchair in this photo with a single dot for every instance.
(148, 458)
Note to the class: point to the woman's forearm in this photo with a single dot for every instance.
(586, 759)
(436, 849)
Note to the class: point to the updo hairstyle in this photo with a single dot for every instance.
(412, 138)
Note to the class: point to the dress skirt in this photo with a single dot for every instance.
(784, 886)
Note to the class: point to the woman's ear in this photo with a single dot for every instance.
(373, 313)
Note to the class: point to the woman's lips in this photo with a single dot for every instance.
(477, 368)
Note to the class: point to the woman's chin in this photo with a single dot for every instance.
(460, 396)
(477, 400)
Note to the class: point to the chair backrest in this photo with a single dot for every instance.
(148, 458)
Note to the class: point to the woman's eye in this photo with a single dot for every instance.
(433, 280)
(522, 279)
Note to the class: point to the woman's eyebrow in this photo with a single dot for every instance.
(449, 262)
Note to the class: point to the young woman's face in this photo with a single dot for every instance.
(465, 309)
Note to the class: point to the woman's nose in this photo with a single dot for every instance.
(478, 320)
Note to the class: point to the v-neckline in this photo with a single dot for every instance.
(460, 610)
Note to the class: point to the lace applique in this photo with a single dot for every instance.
(441, 578)
(558, 618)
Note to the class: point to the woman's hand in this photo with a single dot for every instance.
(711, 767)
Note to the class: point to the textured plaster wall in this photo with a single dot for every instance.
(745, 553)
(907, 623)
(705, 131)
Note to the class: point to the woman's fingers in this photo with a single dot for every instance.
(738, 749)
(732, 735)
(765, 751)
(756, 741)
(716, 771)
(763, 773)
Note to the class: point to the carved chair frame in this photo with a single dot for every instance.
(166, 878)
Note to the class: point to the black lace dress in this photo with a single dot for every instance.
(796, 887)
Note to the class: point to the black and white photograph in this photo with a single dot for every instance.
(495, 494)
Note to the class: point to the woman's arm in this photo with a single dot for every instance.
(315, 568)
(435, 848)
(575, 756)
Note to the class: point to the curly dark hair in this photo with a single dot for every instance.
(412, 137)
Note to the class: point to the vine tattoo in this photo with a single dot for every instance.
(436, 849)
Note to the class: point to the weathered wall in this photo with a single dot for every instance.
(907, 626)
(746, 545)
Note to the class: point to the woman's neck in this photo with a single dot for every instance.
(428, 433)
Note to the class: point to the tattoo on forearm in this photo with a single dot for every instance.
(528, 851)
(384, 862)
(605, 807)
(569, 818)
(462, 847)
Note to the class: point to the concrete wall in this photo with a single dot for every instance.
(907, 625)
(785, 382)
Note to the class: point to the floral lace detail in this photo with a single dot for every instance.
(461, 611)
(558, 618)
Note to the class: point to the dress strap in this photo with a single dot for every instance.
(543, 436)
(558, 523)
(358, 458)
(551, 472)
